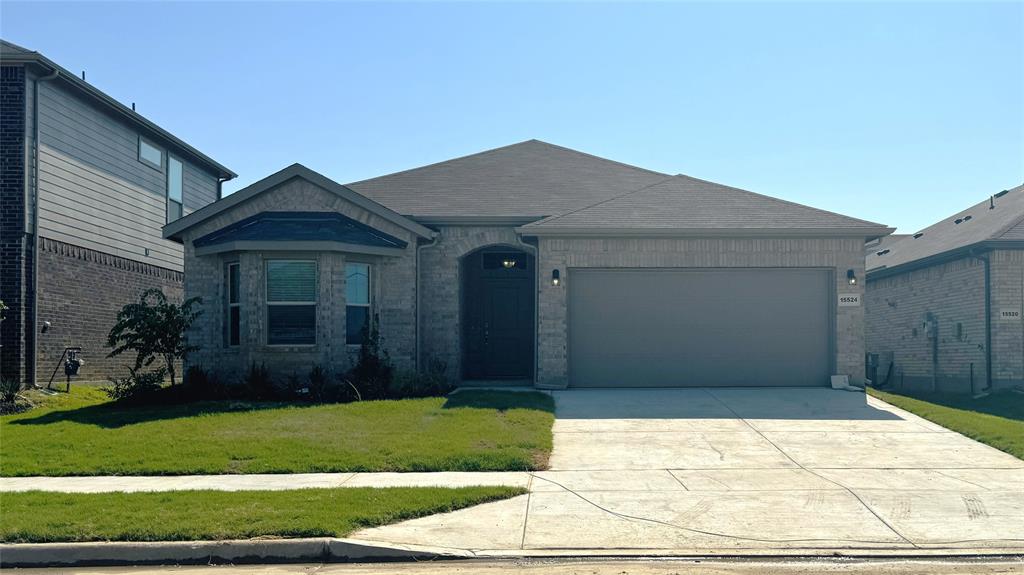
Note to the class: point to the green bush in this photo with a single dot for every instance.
(137, 386)
(373, 374)
(259, 385)
(9, 389)
(431, 382)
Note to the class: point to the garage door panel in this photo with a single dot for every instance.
(673, 327)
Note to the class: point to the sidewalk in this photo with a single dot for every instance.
(262, 482)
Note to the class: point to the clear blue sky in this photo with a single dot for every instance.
(898, 113)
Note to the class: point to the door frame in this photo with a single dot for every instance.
(464, 278)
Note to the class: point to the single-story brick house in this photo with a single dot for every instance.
(944, 304)
(530, 263)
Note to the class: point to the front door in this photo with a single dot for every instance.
(498, 307)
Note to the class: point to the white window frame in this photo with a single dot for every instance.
(233, 305)
(369, 297)
(147, 161)
(314, 303)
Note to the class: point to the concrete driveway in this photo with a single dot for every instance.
(707, 471)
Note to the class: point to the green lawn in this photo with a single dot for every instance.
(83, 434)
(37, 517)
(996, 420)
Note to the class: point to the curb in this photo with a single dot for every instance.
(332, 550)
(315, 550)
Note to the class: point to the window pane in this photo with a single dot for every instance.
(291, 324)
(234, 325)
(355, 319)
(151, 153)
(233, 277)
(174, 179)
(291, 281)
(357, 284)
(173, 210)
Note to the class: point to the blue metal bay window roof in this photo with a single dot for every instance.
(320, 231)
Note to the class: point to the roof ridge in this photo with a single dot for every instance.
(589, 155)
(595, 204)
(438, 163)
(780, 200)
(474, 154)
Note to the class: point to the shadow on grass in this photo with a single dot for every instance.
(500, 400)
(113, 415)
(1002, 404)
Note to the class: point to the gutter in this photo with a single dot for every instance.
(986, 257)
(419, 288)
(35, 222)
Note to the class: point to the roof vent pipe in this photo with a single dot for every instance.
(991, 202)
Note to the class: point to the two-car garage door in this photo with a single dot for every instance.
(699, 327)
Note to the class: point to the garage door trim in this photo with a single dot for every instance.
(573, 274)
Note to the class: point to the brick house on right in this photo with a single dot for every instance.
(943, 306)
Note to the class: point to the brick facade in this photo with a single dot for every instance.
(80, 293)
(441, 286)
(568, 253)
(952, 295)
(14, 245)
(393, 286)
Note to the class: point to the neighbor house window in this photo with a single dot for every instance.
(175, 173)
(234, 310)
(150, 154)
(291, 302)
(357, 301)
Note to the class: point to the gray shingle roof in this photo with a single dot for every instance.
(531, 179)
(301, 227)
(978, 223)
(683, 203)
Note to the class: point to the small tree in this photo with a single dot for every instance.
(154, 327)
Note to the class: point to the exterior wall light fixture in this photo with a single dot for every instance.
(556, 278)
(851, 277)
(508, 263)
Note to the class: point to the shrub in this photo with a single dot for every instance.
(372, 376)
(137, 386)
(258, 384)
(154, 327)
(9, 389)
(431, 382)
(199, 384)
(321, 387)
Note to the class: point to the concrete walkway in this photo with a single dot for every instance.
(260, 482)
(741, 470)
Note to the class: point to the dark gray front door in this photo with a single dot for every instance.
(498, 315)
(699, 327)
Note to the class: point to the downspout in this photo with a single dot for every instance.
(35, 222)
(536, 303)
(419, 288)
(985, 257)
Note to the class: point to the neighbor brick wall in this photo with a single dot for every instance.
(954, 292)
(80, 293)
(1007, 335)
(566, 253)
(897, 307)
(14, 245)
(393, 282)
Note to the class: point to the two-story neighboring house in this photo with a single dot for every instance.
(86, 184)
